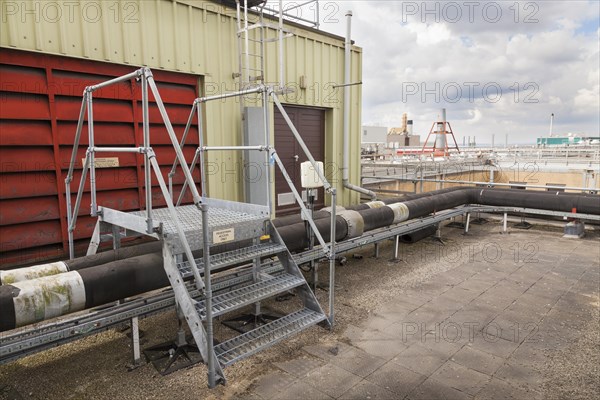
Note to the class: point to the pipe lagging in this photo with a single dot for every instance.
(432, 202)
(416, 205)
(27, 302)
(394, 213)
(37, 271)
(30, 301)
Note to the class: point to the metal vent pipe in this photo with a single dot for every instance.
(346, 129)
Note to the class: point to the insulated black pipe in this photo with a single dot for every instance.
(71, 291)
(420, 206)
(113, 255)
(125, 278)
(41, 298)
(427, 205)
(377, 217)
(413, 196)
(295, 218)
(554, 201)
(56, 295)
(12, 275)
(294, 235)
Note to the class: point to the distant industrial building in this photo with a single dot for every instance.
(568, 140)
(374, 134)
(403, 135)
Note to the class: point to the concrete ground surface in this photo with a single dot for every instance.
(485, 316)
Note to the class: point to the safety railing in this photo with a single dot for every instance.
(271, 157)
(150, 163)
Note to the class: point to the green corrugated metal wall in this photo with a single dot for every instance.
(196, 37)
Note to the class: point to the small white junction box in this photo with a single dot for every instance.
(309, 177)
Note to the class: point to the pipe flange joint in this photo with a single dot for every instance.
(400, 212)
(355, 223)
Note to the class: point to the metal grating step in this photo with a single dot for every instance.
(228, 258)
(265, 336)
(232, 300)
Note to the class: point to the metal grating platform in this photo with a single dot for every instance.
(243, 224)
(267, 287)
(228, 258)
(252, 342)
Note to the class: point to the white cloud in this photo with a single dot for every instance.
(543, 60)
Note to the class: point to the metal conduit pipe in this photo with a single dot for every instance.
(346, 126)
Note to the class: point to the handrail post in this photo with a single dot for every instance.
(208, 297)
(200, 145)
(266, 123)
(69, 177)
(92, 159)
(147, 167)
(332, 256)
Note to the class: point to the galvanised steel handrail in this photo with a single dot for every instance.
(147, 81)
(203, 340)
(272, 158)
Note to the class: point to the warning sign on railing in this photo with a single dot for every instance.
(104, 162)
(223, 236)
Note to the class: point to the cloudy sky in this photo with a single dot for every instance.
(496, 66)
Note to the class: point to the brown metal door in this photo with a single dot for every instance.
(310, 123)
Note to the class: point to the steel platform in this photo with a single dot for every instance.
(228, 221)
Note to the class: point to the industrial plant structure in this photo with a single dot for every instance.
(197, 167)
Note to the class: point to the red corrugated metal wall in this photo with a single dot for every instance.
(40, 98)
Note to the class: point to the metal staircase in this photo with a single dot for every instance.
(190, 232)
(239, 225)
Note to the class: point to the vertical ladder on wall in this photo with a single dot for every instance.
(250, 36)
(254, 35)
